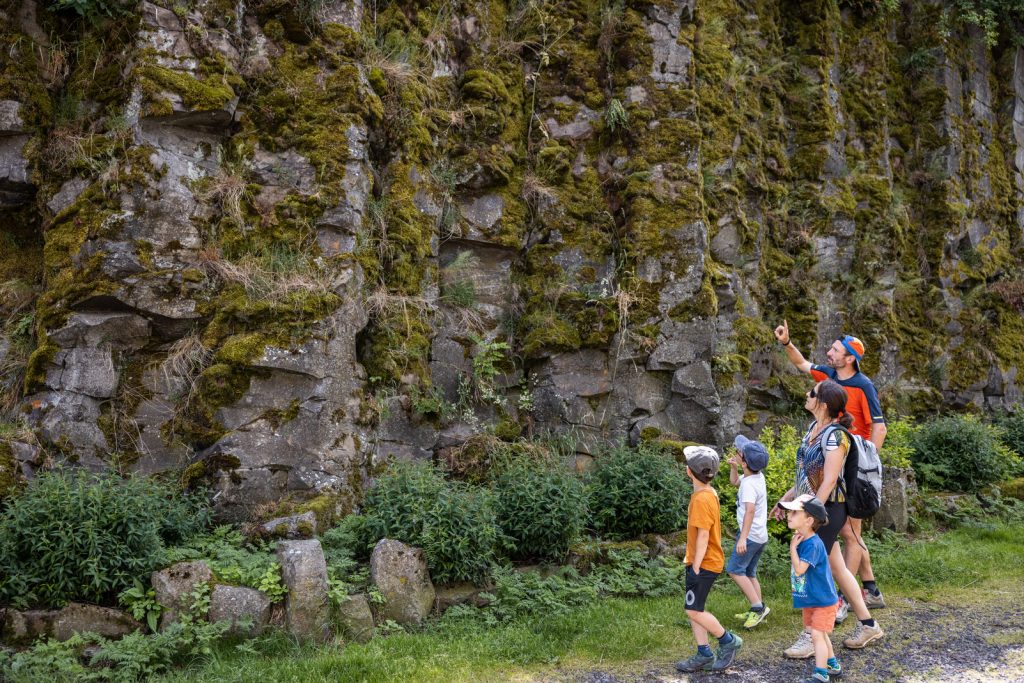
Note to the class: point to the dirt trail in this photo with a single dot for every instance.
(924, 642)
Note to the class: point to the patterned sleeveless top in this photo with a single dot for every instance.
(810, 462)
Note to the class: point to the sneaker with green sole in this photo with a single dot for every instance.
(698, 662)
(726, 653)
(836, 670)
(742, 617)
(755, 618)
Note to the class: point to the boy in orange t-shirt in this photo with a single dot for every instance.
(704, 563)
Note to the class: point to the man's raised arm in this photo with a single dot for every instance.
(793, 353)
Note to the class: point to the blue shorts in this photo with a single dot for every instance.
(745, 564)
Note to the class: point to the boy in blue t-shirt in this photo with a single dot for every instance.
(814, 589)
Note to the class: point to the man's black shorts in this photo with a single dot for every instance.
(697, 588)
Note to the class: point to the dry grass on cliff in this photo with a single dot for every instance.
(275, 275)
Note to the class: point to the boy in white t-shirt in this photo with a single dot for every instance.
(752, 518)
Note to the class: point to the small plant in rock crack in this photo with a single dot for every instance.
(142, 604)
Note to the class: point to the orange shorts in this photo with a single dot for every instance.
(821, 618)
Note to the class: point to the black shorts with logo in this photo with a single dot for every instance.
(697, 587)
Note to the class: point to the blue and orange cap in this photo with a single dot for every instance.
(854, 347)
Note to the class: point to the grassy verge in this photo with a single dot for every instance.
(615, 633)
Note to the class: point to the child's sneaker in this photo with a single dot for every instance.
(816, 678)
(698, 662)
(743, 617)
(844, 609)
(836, 670)
(755, 618)
(726, 653)
(802, 648)
(873, 600)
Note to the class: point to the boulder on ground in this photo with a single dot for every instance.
(174, 587)
(304, 572)
(355, 618)
(78, 617)
(292, 527)
(246, 609)
(400, 573)
(898, 489)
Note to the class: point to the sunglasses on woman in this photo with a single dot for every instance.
(812, 394)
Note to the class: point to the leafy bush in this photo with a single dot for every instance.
(232, 560)
(452, 522)
(898, 449)
(541, 508)
(460, 537)
(80, 536)
(634, 492)
(1012, 426)
(133, 658)
(959, 453)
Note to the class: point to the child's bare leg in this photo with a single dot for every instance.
(751, 591)
(757, 587)
(703, 624)
(831, 652)
(822, 647)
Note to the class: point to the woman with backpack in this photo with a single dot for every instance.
(820, 462)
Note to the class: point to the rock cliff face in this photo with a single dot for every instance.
(269, 245)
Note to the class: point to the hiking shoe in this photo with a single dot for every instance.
(802, 648)
(698, 662)
(815, 678)
(836, 670)
(844, 609)
(862, 635)
(873, 600)
(726, 653)
(755, 618)
(744, 616)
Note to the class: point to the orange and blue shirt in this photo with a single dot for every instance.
(862, 399)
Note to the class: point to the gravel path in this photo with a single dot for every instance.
(924, 642)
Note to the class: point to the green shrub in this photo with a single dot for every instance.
(80, 536)
(898, 449)
(541, 508)
(1012, 428)
(453, 523)
(640, 491)
(233, 560)
(460, 537)
(959, 453)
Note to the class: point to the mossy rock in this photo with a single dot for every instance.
(1013, 488)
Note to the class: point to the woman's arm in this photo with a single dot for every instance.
(834, 460)
(777, 512)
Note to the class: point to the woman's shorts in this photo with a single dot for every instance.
(821, 618)
(836, 519)
(745, 564)
(697, 588)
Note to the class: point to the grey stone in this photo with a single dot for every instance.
(696, 381)
(898, 490)
(293, 526)
(84, 371)
(23, 627)
(246, 609)
(10, 118)
(287, 169)
(304, 572)
(123, 331)
(671, 59)
(579, 128)
(355, 618)
(482, 213)
(400, 573)
(459, 594)
(174, 587)
(67, 194)
(78, 618)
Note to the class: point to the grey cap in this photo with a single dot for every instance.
(753, 452)
(809, 504)
(702, 460)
